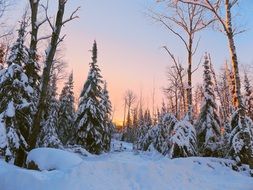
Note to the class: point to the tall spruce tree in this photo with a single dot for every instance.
(66, 112)
(48, 136)
(144, 124)
(106, 106)
(208, 125)
(15, 102)
(89, 120)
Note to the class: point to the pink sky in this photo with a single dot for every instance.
(129, 52)
(129, 42)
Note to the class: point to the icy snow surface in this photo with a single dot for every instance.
(124, 169)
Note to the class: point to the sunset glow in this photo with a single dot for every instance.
(129, 48)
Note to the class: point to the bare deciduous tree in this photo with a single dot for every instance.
(129, 99)
(189, 20)
(175, 76)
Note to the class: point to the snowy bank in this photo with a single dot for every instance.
(125, 171)
(51, 159)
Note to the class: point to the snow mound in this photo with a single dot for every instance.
(53, 159)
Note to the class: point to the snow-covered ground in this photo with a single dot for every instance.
(124, 169)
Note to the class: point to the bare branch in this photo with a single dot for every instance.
(48, 19)
(61, 39)
(194, 70)
(159, 19)
(72, 16)
(44, 37)
(41, 23)
(196, 47)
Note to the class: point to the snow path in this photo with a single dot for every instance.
(128, 171)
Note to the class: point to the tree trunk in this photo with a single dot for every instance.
(34, 33)
(50, 53)
(189, 82)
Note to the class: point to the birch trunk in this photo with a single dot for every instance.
(189, 81)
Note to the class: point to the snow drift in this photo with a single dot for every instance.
(51, 159)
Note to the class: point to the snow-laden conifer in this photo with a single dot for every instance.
(208, 124)
(15, 102)
(66, 114)
(183, 140)
(106, 106)
(89, 117)
(48, 135)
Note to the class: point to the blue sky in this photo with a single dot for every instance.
(129, 45)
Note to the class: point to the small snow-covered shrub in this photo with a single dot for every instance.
(239, 136)
(158, 137)
(183, 140)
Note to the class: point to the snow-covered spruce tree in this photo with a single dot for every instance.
(248, 96)
(15, 102)
(240, 146)
(197, 98)
(144, 125)
(48, 136)
(158, 137)
(208, 124)
(89, 118)
(66, 114)
(165, 129)
(237, 145)
(226, 96)
(106, 106)
(183, 140)
(32, 70)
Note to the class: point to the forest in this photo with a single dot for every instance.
(212, 120)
